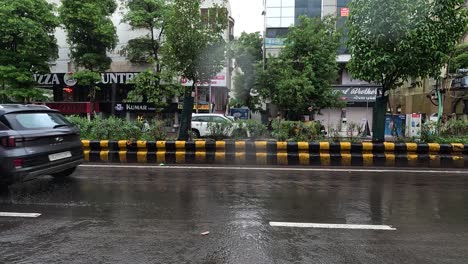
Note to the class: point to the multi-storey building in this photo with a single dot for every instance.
(359, 95)
(72, 99)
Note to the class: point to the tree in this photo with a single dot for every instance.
(194, 48)
(27, 43)
(459, 58)
(393, 41)
(302, 75)
(247, 52)
(90, 34)
(149, 15)
(154, 85)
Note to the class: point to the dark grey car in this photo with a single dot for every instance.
(36, 141)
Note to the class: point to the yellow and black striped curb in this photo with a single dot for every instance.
(279, 153)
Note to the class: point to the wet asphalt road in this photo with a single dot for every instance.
(130, 215)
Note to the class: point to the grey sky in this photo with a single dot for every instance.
(248, 15)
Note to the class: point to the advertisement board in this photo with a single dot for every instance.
(395, 125)
(240, 113)
(413, 123)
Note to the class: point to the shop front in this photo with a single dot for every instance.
(73, 99)
(215, 94)
(360, 100)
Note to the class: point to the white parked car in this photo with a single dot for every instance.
(200, 124)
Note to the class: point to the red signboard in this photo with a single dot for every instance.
(344, 12)
(74, 108)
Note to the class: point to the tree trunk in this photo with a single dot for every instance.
(92, 98)
(378, 119)
(186, 117)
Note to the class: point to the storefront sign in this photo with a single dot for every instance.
(240, 113)
(74, 108)
(135, 107)
(66, 79)
(202, 107)
(218, 81)
(118, 78)
(344, 12)
(357, 94)
(274, 42)
(49, 79)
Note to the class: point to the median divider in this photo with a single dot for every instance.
(279, 153)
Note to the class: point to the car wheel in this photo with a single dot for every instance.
(195, 134)
(64, 174)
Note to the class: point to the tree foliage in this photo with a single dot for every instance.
(459, 58)
(194, 48)
(90, 32)
(393, 41)
(302, 75)
(22, 95)
(27, 43)
(155, 85)
(149, 15)
(247, 52)
(413, 39)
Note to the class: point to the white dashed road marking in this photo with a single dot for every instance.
(332, 226)
(28, 215)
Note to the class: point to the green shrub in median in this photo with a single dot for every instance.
(453, 131)
(253, 129)
(114, 128)
(220, 130)
(296, 131)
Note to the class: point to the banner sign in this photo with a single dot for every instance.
(274, 42)
(135, 107)
(357, 93)
(66, 79)
(74, 108)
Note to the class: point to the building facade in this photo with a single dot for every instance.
(72, 99)
(360, 96)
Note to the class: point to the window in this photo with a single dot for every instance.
(280, 13)
(310, 8)
(3, 126)
(287, 12)
(273, 3)
(287, 22)
(210, 15)
(342, 3)
(33, 121)
(219, 119)
(273, 22)
(288, 3)
(273, 12)
(201, 118)
(276, 32)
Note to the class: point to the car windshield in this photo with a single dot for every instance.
(36, 120)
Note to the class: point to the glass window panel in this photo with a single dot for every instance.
(287, 12)
(288, 3)
(273, 22)
(301, 3)
(273, 12)
(287, 21)
(276, 32)
(273, 3)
